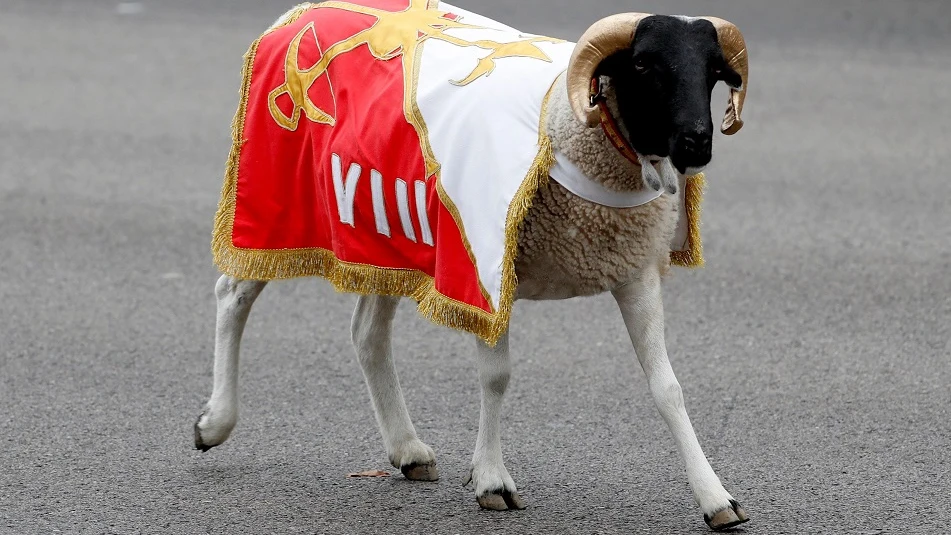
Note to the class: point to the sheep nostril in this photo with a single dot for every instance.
(693, 146)
(695, 142)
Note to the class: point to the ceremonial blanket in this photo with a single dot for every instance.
(392, 147)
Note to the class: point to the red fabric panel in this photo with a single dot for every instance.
(285, 191)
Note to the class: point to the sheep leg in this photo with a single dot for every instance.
(371, 331)
(220, 414)
(494, 487)
(643, 312)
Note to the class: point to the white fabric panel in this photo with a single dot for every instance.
(485, 134)
(479, 20)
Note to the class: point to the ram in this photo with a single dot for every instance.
(409, 148)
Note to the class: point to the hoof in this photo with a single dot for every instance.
(727, 518)
(213, 429)
(501, 501)
(199, 443)
(420, 472)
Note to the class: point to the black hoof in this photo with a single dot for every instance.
(199, 443)
(420, 471)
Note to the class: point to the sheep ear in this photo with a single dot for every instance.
(731, 78)
(734, 52)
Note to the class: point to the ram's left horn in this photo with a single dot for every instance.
(734, 50)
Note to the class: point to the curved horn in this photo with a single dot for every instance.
(604, 38)
(734, 50)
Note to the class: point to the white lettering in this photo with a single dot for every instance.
(379, 203)
(346, 191)
(402, 201)
(421, 213)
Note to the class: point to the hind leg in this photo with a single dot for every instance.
(220, 415)
(371, 331)
(494, 487)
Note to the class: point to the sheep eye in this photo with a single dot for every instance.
(641, 66)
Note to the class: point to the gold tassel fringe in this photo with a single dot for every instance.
(692, 257)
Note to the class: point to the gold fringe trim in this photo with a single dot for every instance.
(538, 175)
(692, 257)
(258, 264)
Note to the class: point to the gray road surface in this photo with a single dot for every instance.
(813, 349)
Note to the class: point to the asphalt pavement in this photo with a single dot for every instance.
(813, 349)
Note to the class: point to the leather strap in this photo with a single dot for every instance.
(609, 124)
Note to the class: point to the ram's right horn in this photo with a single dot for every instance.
(604, 38)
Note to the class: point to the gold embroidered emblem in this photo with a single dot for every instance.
(394, 34)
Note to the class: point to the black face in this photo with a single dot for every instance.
(664, 84)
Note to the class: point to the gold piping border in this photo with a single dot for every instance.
(257, 264)
(692, 257)
(453, 210)
(415, 116)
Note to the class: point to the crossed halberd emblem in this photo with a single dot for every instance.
(394, 34)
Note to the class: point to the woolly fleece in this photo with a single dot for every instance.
(570, 247)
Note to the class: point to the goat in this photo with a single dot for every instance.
(645, 70)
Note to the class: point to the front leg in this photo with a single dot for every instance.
(494, 487)
(643, 312)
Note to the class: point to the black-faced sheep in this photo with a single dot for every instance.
(655, 75)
